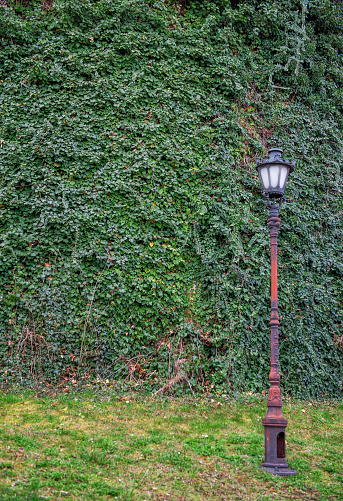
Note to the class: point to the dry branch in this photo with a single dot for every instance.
(172, 382)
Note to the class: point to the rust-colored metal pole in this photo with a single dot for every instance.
(274, 423)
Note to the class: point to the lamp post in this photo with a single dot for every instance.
(273, 174)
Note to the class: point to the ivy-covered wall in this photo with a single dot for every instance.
(133, 229)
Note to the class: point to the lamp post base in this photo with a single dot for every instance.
(275, 436)
(283, 471)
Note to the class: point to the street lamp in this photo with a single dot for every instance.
(273, 174)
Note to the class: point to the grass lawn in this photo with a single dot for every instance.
(104, 447)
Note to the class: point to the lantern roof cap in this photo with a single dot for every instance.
(275, 158)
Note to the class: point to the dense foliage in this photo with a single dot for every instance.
(133, 230)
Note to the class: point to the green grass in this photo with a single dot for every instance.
(82, 448)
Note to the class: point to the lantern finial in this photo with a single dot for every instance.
(275, 154)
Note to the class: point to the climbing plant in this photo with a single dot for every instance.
(133, 230)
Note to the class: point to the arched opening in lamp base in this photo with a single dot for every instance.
(280, 445)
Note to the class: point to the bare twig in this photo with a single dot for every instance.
(172, 382)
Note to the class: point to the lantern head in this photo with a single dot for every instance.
(273, 173)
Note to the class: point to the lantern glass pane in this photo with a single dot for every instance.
(274, 175)
(264, 177)
(283, 175)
